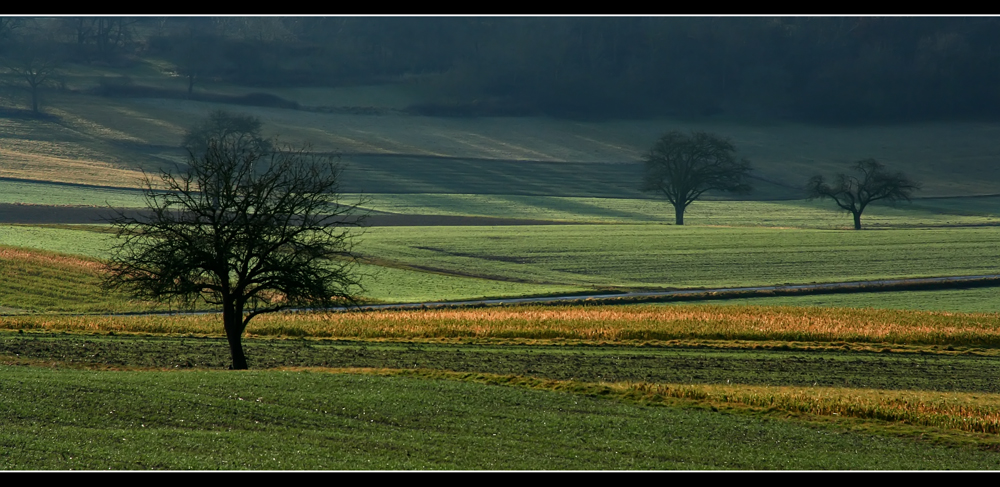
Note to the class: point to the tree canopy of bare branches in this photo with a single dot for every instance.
(250, 230)
(854, 192)
(223, 125)
(683, 167)
(32, 68)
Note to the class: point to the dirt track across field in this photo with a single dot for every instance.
(44, 214)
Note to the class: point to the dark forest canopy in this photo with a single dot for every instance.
(829, 69)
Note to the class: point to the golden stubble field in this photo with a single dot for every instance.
(628, 323)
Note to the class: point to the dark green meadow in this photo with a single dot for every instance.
(76, 401)
(588, 363)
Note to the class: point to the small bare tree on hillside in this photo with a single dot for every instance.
(854, 192)
(682, 167)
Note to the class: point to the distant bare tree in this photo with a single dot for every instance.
(871, 183)
(32, 68)
(8, 25)
(682, 167)
(223, 125)
(107, 35)
(196, 57)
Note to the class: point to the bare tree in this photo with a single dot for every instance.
(195, 58)
(223, 125)
(32, 68)
(107, 35)
(195, 47)
(871, 183)
(8, 25)
(682, 167)
(248, 230)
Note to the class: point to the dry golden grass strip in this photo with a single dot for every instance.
(42, 167)
(972, 412)
(606, 324)
(618, 323)
(209, 324)
(17, 256)
(957, 411)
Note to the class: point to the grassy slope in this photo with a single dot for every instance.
(927, 212)
(105, 135)
(96, 139)
(791, 213)
(980, 300)
(557, 167)
(79, 285)
(39, 281)
(659, 255)
(436, 263)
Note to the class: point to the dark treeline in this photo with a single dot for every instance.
(827, 69)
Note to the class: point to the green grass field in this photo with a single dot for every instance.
(850, 381)
(478, 404)
(792, 213)
(40, 193)
(979, 300)
(468, 262)
(440, 263)
(300, 420)
(655, 256)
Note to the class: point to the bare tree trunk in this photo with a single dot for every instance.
(678, 214)
(34, 99)
(233, 323)
(857, 220)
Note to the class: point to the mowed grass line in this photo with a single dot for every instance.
(71, 419)
(673, 363)
(659, 256)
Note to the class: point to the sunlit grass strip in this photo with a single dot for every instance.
(15, 256)
(43, 281)
(208, 324)
(585, 323)
(610, 323)
(975, 413)
(961, 411)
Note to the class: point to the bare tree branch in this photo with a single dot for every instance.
(683, 167)
(871, 183)
(254, 231)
